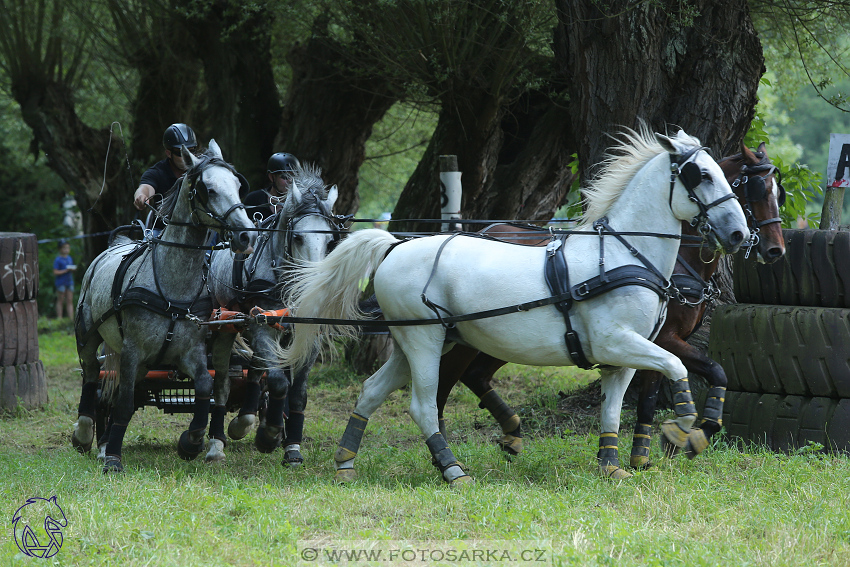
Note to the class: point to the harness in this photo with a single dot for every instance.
(199, 307)
(755, 190)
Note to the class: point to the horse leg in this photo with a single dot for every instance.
(294, 428)
(478, 378)
(423, 348)
(240, 425)
(83, 434)
(452, 366)
(698, 363)
(123, 407)
(614, 384)
(650, 382)
(394, 374)
(191, 442)
(222, 343)
(631, 350)
(270, 434)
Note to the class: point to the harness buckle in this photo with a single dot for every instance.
(582, 290)
(553, 246)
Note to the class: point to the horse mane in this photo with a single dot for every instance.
(622, 161)
(314, 192)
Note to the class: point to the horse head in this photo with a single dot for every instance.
(213, 192)
(700, 193)
(758, 186)
(307, 217)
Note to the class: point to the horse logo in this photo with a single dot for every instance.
(34, 542)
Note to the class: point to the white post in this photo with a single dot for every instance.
(451, 192)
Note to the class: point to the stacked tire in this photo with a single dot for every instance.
(785, 346)
(22, 380)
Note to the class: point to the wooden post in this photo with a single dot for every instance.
(451, 192)
(833, 203)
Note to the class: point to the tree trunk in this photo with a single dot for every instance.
(242, 98)
(329, 114)
(650, 62)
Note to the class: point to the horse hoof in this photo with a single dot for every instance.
(240, 426)
(344, 476)
(216, 452)
(674, 433)
(186, 449)
(510, 444)
(112, 464)
(83, 434)
(264, 443)
(697, 442)
(641, 463)
(293, 458)
(461, 482)
(614, 472)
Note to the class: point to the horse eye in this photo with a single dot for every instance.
(706, 176)
(298, 238)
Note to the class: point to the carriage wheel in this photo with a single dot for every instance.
(801, 351)
(814, 272)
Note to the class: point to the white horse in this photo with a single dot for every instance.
(140, 298)
(634, 192)
(304, 230)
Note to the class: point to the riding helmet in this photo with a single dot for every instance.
(283, 162)
(178, 135)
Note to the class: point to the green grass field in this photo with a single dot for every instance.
(546, 507)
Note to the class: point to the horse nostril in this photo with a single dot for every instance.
(773, 253)
(736, 238)
(240, 241)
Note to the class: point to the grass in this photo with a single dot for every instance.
(728, 507)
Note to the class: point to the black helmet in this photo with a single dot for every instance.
(178, 135)
(283, 162)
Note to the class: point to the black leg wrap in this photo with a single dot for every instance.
(106, 432)
(714, 405)
(202, 414)
(641, 444)
(276, 412)
(251, 401)
(500, 411)
(442, 455)
(607, 454)
(88, 400)
(294, 428)
(116, 439)
(188, 449)
(683, 403)
(217, 424)
(351, 438)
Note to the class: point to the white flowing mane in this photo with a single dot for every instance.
(619, 166)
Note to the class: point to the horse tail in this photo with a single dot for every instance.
(110, 370)
(331, 289)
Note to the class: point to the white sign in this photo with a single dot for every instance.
(838, 164)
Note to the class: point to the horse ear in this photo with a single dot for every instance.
(333, 193)
(295, 193)
(216, 151)
(188, 157)
(666, 143)
(763, 149)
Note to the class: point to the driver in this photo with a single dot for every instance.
(266, 201)
(160, 177)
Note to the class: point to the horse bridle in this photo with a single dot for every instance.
(690, 175)
(755, 190)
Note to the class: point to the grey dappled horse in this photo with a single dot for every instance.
(304, 230)
(140, 298)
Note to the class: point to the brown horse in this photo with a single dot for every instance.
(756, 183)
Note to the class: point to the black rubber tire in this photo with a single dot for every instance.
(773, 349)
(18, 333)
(814, 272)
(787, 423)
(18, 266)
